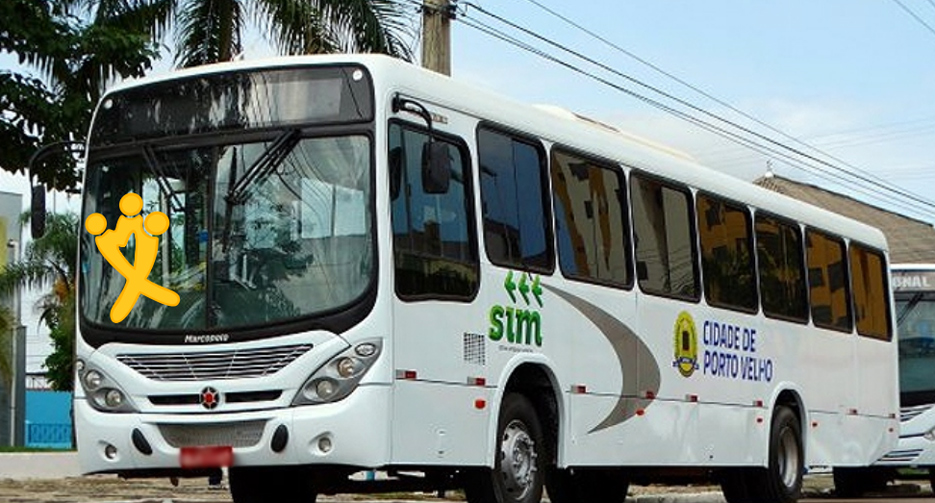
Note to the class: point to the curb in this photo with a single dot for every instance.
(706, 497)
(39, 465)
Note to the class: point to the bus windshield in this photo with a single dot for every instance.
(261, 232)
(916, 327)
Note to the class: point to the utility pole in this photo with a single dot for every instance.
(436, 35)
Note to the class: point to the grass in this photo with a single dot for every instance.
(7, 449)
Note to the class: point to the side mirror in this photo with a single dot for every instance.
(396, 172)
(37, 211)
(436, 168)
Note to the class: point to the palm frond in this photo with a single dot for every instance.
(295, 25)
(371, 26)
(208, 31)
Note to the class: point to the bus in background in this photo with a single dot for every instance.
(914, 291)
(381, 268)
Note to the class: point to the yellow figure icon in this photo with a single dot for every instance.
(136, 274)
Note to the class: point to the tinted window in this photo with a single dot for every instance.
(871, 309)
(435, 253)
(827, 280)
(515, 204)
(590, 219)
(782, 269)
(726, 254)
(662, 228)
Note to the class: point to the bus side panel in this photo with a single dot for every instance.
(877, 392)
(440, 424)
(441, 346)
(668, 433)
(876, 378)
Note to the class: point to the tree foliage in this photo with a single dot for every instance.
(71, 56)
(6, 345)
(52, 261)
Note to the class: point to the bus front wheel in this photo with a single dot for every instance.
(260, 484)
(519, 464)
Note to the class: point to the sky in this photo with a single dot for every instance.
(854, 78)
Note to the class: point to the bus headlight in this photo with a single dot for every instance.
(102, 392)
(92, 380)
(336, 379)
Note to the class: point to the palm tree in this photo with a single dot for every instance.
(209, 31)
(52, 261)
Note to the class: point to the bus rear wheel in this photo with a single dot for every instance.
(781, 480)
(519, 465)
(260, 484)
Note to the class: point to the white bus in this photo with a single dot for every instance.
(914, 291)
(381, 268)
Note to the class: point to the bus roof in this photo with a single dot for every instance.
(391, 75)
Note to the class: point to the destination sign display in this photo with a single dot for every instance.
(913, 281)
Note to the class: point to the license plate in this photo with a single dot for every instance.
(206, 457)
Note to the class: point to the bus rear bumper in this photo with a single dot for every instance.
(353, 432)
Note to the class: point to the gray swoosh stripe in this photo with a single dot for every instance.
(637, 364)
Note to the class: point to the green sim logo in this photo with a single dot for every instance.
(518, 324)
(147, 246)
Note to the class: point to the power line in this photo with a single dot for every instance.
(734, 137)
(719, 101)
(866, 178)
(916, 16)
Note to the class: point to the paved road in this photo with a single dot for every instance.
(53, 478)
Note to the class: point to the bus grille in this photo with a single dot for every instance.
(243, 434)
(236, 364)
(907, 413)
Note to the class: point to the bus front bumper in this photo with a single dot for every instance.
(353, 432)
(910, 452)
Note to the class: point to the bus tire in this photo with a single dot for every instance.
(259, 484)
(932, 477)
(589, 485)
(781, 481)
(519, 464)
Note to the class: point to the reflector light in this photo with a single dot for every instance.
(650, 394)
(405, 374)
(579, 389)
(692, 398)
(480, 403)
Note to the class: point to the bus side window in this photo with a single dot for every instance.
(434, 247)
(591, 223)
(665, 239)
(517, 230)
(783, 291)
(726, 254)
(828, 282)
(871, 308)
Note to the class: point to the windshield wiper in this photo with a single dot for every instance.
(265, 164)
(149, 155)
(910, 306)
